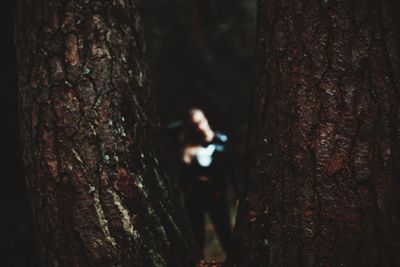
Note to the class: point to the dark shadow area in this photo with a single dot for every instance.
(201, 54)
(17, 238)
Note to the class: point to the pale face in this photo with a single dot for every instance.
(200, 121)
(201, 125)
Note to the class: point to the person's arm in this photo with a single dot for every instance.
(228, 162)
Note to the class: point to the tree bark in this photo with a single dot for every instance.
(88, 128)
(323, 186)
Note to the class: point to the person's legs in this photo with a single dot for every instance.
(219, 214)
(196, 214)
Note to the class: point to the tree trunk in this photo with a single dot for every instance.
(99, 196)
(323, 186)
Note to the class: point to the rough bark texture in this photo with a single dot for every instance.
(323, 187)
(88, 133)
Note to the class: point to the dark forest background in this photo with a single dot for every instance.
(200, 53)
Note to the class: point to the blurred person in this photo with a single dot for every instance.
(206, 174)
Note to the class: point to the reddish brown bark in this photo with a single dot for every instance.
(99, 196)
(323, 188)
